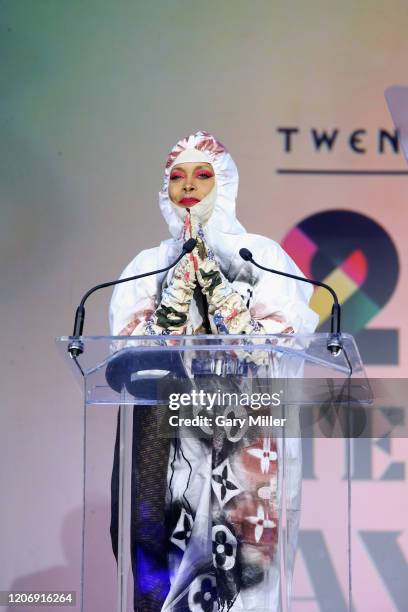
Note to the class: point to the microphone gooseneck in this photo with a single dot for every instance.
(76, 347)
(334, 343)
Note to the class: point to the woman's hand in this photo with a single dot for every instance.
(207, 270)
(171, 315)
(228, 308)
(230, 313)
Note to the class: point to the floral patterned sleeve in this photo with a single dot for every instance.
(171, 316)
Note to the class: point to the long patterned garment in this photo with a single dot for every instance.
(222, 513)
(210, 542)
(204, 536)
(221, 523)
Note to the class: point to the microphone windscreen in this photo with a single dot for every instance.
(245, 254)
(189, 245)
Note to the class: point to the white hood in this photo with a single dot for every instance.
(223, 219)
(277, 302)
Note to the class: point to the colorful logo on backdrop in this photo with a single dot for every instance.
(356, 256)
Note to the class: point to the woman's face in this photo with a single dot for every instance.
(190, 182)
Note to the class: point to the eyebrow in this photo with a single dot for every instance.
(205, 166)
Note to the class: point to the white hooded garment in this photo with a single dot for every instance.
(280, 304)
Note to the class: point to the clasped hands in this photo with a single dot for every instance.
(200, 267)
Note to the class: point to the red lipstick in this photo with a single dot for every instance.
(188, 201)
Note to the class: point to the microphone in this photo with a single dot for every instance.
(76, 347)
(334, 343)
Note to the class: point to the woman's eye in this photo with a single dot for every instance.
(205, 175)
(174, 177)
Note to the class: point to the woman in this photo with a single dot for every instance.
(205, 513)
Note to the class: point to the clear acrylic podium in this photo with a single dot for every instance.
(317, 393)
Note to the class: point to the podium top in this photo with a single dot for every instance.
(285, 355)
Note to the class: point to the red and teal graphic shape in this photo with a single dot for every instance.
(356, 256)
